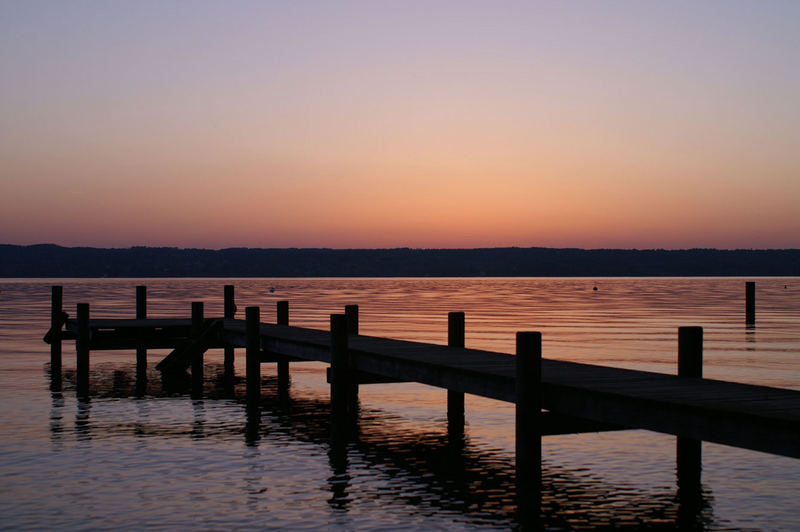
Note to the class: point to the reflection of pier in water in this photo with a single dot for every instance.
(417, 468)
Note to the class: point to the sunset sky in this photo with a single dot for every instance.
(391, 124)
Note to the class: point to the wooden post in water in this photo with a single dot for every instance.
(689, 451)
(351, 313)
(455, 400)
(750, 304)
(282, 318)
(56, 321)
(340, 372)
(690, 352)
(229, 313)
(282, 310)
(528, 388)
(82, 350)
(253, 353)
(197, 360)
(141, 314)
(343, 404)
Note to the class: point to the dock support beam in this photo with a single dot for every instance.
(282, 311)
(351, 313)
(82, 350)
(343, 405)
(690, 352)
(750, 304)
(528, 388)
(253, 353)
(342, 412)
(141, 352)
(56, 322)
(689, 450)
(455, 400)
(229, 313)
(197, 359)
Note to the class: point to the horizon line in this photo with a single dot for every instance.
(396, 248)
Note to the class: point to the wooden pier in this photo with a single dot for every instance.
(551, 396)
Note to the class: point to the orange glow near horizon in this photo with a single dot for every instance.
(379, 127)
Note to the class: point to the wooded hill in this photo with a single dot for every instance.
(48, 260)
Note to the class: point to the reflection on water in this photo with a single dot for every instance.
(141, 453)
(386, 461)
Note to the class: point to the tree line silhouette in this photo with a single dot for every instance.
(49, 260)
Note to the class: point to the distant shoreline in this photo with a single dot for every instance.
(49, 260)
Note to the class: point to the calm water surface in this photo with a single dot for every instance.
(123, 460)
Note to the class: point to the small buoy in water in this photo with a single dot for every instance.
(595, 289)
(271, 289)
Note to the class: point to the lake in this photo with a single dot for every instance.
(162, 460)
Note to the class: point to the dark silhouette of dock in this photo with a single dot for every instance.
(551, 396)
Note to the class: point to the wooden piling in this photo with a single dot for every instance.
(82, 341)
(455, 399)
(282, 318)
(229, 304)
(340, 371)
(690, 352)
(528, 392)
(351, 313)
(253, 353)
(750, 304)
(197, 359)
(229, 313)
(689, 456)
(282, 310)
(141, 314)
(56, 321)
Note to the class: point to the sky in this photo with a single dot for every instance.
(382, 124)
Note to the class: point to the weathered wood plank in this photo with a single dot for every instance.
(363, 377)
(267, 357)
(123, 323)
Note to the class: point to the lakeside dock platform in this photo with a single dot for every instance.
(551, 396)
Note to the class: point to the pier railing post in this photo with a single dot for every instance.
(344, 399)
(56, 322)
(351, 313)
(197, 360)
(750, 304)
(455, 399)
(690, 352)
(282, 312)
(528, 389)
(82, 350)
(253, 353)
(229, 313)
(141, 352)
(689, 456)
(340, 374)
(282, 318)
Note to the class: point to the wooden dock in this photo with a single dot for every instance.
(551, 396)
